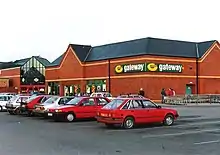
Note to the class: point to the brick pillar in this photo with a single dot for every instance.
(83, 86)
(61, 89)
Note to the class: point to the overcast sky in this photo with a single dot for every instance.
(46, 27)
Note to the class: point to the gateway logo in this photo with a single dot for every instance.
(134, 68)
(129, 68)
(170, 68)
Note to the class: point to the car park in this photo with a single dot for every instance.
(102, 94)
(128, 112)
(28, 106)
(4, 100)
(54, 101)
(78, 108)
(15, 102)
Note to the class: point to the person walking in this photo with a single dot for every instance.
(163, 94)
(141, 92)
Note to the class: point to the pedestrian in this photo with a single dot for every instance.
(141, 92)
(173, 92)
(163, 94)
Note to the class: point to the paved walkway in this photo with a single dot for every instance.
(191, 105)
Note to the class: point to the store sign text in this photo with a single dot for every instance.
(149, 67)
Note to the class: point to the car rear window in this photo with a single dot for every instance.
(114, 104)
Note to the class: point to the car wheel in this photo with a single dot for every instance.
(109, 125)
(70, 117)
(30, 113)
(17, 111)
(11, 112)
(168, 120)
(1, 109)
(128, 123)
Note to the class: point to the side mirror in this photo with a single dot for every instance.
(159, 107)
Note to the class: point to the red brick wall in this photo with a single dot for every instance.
(209, 81)
(13, 74)
(70, 68)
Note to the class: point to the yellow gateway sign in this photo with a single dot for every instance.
(149, 67)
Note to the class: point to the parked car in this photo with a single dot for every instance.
(78, 108)
(54, 101)
(13, 94)
(128, 112)
(28, 106)
(102, 94)
(3, 101)
(14, 103)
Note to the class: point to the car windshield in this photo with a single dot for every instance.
(51, 100)
(74, 101)
(114, 104)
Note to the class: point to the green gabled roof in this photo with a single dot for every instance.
(21, 62)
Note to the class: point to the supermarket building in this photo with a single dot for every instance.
(148, 63)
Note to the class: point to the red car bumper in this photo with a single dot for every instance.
(109, 120)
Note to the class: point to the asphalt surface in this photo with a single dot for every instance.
(197, 132)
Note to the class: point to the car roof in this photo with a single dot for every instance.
(131, 98)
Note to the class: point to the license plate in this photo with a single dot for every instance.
(104, 115)
(50, 114)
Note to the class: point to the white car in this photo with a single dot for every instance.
(4, 100)
(54, 101)
(102, 94)
(14, 103)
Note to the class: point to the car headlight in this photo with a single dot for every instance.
(57, 110)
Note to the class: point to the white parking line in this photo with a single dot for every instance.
(207, 142)
(167, 127)
(179, 133)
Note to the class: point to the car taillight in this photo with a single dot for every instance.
(97, 113)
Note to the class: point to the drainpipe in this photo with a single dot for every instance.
(109, 76)
(197, 69)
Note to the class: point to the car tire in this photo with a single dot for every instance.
(168, 120)
(11, 112)
(70, 117)
(17, 112)
(1, 109)
(109, 125)
(128, 123)
(29, 113)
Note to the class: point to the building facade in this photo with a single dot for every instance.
(149, 63)
(120, 68)
(23, 76)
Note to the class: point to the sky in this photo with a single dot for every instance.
(46, 27)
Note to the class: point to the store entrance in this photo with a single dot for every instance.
(96, 86)
(72, 90)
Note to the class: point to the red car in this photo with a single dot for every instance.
(31, 102)
(78, 108)
(131, 111)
